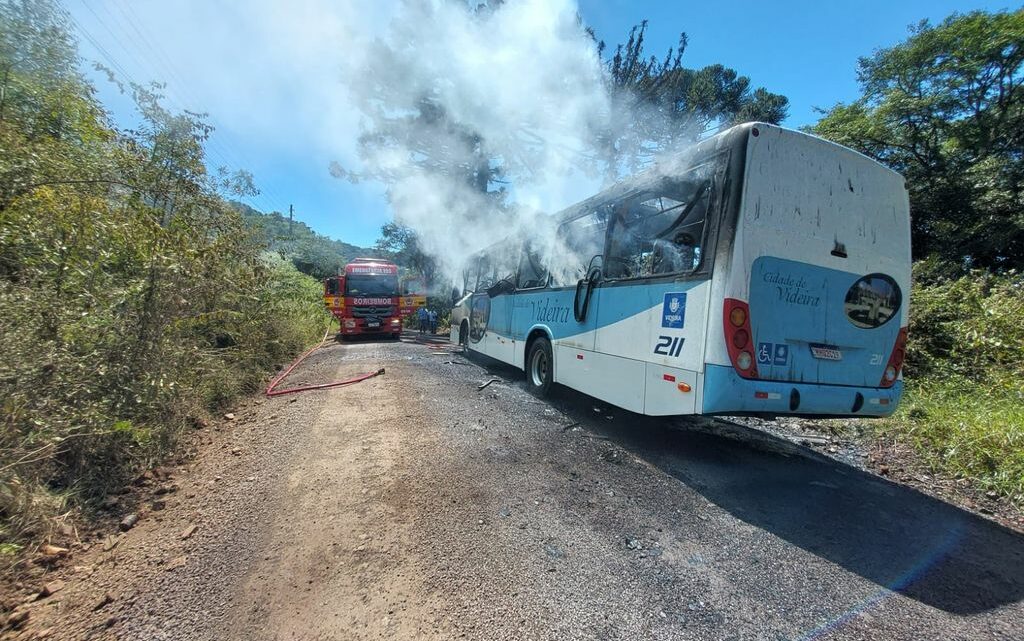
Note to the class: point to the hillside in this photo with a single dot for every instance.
(310, 252)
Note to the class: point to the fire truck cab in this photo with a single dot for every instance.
(365, 298)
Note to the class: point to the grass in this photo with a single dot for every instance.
(966, 429)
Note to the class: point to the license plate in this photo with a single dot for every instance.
(373, 323)
(826, 352)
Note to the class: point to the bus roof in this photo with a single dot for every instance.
(735, 137)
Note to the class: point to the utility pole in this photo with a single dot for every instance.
(291, 213)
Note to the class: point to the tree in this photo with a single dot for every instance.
(132, 297)
(311, 253)
(653, 107)
(660, 106)
(946, 109)
(401, 245)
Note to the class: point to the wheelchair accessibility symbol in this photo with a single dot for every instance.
(772, 353)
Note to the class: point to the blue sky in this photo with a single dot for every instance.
(271, 91)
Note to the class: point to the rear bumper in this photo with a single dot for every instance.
(357, 326)
(726, 392)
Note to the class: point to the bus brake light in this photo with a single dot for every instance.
(895, 364)
(738, 336)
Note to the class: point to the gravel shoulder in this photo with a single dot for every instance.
(415, 505)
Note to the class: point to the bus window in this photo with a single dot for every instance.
(580, 240)
(505, 258)
(658, 232)
(486, 276)
(332, 287)
(532, 273)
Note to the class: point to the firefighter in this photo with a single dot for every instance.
(424, 318)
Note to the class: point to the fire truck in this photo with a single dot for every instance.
(366, 299)
(413, 296)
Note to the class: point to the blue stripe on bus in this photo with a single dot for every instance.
(553, 309)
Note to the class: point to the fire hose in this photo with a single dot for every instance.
(271, 391)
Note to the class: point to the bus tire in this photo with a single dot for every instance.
(540, 367)
(464, 334)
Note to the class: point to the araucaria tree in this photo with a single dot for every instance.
(660, 106)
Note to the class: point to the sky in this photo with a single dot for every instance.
(267, 73)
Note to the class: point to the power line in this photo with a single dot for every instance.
(214, 146)
(165, 63)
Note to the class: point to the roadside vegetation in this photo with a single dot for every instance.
(134, 300)
(964, 408)
(946, 109)
(294, 240)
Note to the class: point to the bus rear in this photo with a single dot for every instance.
(812, 284)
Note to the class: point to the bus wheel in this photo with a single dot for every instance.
(464, 334)
(539, 367)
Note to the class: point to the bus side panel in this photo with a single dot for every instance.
(661, 323)
(663, 396)
(667, 335)
(615, 380)
(460, 315)
(550, 308)
(496, 346)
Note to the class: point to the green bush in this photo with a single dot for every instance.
(964, 404)
(970, 325)
(133, 298)
(119, 334)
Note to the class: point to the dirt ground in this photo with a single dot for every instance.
(415, 505)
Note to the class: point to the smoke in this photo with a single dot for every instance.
(452, 97)
(479, 121)
(436, 100)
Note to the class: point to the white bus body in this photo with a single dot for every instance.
(768, 273)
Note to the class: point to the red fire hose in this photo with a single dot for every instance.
(293, 390)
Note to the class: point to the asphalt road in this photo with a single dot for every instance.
(415, 505)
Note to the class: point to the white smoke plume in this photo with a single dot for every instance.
(524, 84)
(519, 83)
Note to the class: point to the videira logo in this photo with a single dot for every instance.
(673, 312)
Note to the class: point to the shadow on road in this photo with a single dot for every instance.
(890, 534)
(411, 336)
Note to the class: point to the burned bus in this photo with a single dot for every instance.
(763, 272)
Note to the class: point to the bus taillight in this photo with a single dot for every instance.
(737, 337)
(895, 364)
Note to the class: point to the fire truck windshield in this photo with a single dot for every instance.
(371, 285)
